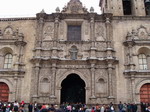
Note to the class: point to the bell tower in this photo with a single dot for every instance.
(126, 7)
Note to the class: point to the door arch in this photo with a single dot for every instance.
(73, 89)
(145, 93)
(4, 92)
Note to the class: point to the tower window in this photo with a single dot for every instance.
(147, 6)
(74, 33)
(127, 7)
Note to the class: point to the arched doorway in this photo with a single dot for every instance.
(4, 92)
(145, 93)
(73, 89)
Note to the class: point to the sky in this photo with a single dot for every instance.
(29, 8)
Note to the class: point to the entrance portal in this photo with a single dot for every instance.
(73, 89)
(4, 92)
(145, 93)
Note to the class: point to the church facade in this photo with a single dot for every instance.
(75, 55)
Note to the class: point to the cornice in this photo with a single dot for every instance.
(130, 17)
(17, 19)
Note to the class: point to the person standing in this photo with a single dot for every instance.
(30, 107)
(16, 106)
(120, 106)
(102, 109)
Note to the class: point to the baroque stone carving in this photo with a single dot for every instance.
(100, 33)
(49, 33)
(142, 32)
(74, 6)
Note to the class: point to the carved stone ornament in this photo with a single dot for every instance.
(143, 33)
(74, 6)
(49, 33)
(100, 33)
(140, 33)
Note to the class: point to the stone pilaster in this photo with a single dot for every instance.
(36, 79)
(109, 30)
(53, 81)
(92, 69)
(92, 26)
(55, 40)
(132, 88)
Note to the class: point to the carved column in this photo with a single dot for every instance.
(109, 53)
(92, 81)
(56, 26)
(109, 30)
(131, 64)
(92, 35)
(110, 84)
(16, 87)
(20, 43)
(92, 69)
(132, 88)
(92, 27)
(53, 80)
(36, 78)
(40, 22)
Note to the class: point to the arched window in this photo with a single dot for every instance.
(127, 7)
(142, 61)
(73, 52)
(8, 60)
(147, 6)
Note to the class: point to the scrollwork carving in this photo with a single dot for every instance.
(49, 32)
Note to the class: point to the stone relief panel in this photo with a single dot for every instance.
(143, 33)
(101, 46)
(101, 54)
(140, 33)
(100, 32)
(47, 44)
(48, 33)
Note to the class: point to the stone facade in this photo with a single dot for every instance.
(106, 56)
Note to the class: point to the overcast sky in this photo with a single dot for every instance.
(28, 8)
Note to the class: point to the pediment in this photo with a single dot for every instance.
(74, 7)
(140, 33)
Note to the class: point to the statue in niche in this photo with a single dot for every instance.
(99, 33)
(49, 33)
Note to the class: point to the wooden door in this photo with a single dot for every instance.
(145, 93)
(4, 92)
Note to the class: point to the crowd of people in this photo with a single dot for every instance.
(67, 107)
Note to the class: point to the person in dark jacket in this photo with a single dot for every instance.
(30, 107)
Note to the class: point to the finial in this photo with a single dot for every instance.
(57, 10)
(91, 10)
(42, 11)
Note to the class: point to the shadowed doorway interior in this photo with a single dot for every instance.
(73, 89)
